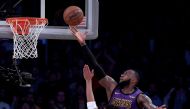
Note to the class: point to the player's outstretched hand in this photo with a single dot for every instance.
(87, 73)
(79, 35)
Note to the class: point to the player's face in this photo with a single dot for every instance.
(127, 75)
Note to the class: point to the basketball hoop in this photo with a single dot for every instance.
(26, 31)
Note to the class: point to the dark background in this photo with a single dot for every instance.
(149, 36)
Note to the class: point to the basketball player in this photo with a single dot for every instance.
(123, 95)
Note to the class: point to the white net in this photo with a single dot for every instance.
(26, 33)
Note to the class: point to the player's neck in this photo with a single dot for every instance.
(128, 89)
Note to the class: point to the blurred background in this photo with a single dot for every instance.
(149, 36)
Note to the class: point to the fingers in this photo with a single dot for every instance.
(83, 23)
(85, 34)
(87, 71)
(92, 72)
(85, 68)
(162, 107)
(73, 29)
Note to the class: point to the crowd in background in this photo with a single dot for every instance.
(152, 38)
(59, 83)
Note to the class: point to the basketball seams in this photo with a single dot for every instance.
(73, 15)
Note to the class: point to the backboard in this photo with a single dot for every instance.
(53, 11)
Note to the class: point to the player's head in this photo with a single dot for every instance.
(129, 77)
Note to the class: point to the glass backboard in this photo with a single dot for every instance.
(53, 11)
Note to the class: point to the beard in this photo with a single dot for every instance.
(124, 83)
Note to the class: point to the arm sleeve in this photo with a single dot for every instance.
(92, 62)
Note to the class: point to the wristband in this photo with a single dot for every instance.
(91, 105)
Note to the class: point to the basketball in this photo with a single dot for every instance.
(73, 15)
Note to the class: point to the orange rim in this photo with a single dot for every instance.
(22, 22)
(31, 20)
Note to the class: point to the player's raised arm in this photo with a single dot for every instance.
(88, 75)
(78, 35)
(105, 80)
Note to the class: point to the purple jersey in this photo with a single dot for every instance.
(124, 101)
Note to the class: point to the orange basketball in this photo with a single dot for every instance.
(73, 15)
